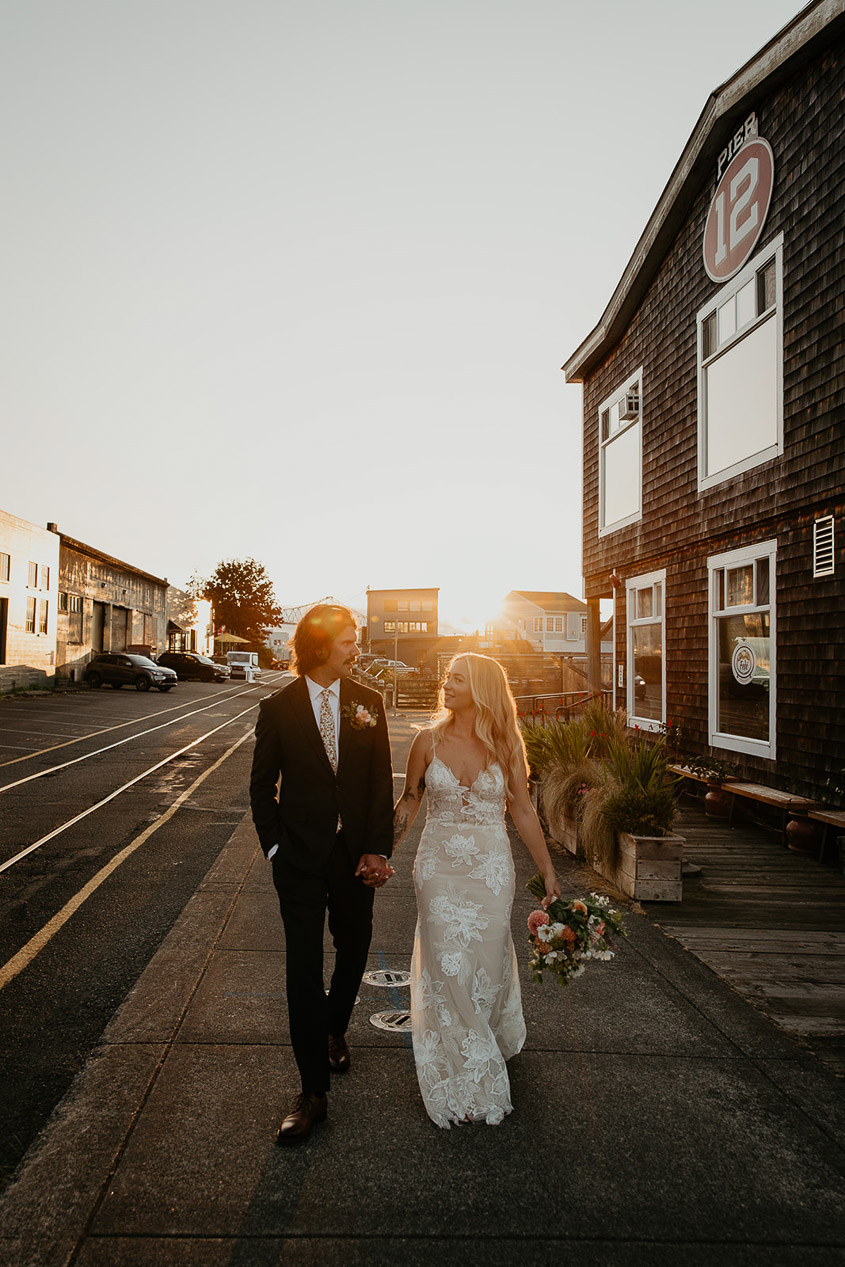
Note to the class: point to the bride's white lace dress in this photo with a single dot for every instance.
(466, 1008)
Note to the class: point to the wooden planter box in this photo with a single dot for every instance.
(649, 867)
(566, 834)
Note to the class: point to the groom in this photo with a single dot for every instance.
(323, 741)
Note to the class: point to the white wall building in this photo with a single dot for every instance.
(550, 620)
(29, 583)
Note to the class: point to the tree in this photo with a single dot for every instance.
(242, 596)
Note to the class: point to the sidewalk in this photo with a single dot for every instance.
(659, 1118)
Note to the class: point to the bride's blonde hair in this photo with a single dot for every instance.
(495, 717)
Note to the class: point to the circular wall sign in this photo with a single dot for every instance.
(739, 209)
(743, 663)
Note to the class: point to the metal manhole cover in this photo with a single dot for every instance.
(394, 1021)
(388, 977)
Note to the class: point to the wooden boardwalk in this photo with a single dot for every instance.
(768, 921)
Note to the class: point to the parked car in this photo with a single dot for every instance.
(119, 668)
(191, 666)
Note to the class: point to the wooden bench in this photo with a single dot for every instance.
(829, 818)
(784, 801)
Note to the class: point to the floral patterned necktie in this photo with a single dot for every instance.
(327, 730)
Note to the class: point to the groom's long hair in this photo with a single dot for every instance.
(496, 721)
(315, 633)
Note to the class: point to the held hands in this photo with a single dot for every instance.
(374, 870)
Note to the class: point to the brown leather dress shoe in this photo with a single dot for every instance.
(308, 1110)
(339, 1058)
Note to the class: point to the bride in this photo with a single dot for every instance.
(466, 1009)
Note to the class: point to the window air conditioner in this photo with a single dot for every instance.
(629, 407)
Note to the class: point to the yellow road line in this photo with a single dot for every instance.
(27, 953)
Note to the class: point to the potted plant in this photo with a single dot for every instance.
(716, 772)
(565, 762)
(627, 821)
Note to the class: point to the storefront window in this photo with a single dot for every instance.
(742, 628)
(646, 639)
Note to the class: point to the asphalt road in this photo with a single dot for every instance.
(83, 911)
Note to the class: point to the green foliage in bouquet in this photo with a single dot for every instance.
(570, 933)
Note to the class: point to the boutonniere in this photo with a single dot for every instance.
(358, 716)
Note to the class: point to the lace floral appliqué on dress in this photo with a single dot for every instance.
(466, 1008)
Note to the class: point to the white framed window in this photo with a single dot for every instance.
(742, 649)
(538, 624)
(32, 579)
(740, 371)
(620, 456)
(5, 566)
(43, 614)
(646, 614)
(76, 602)
(30, 615)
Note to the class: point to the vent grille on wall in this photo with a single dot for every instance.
(823, 547)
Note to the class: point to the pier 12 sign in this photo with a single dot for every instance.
(741, 202)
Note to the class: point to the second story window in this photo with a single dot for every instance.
(5, 566)
(740, 371)
(620, 456)
(32, 579)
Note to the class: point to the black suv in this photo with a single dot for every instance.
(190, 665)
(119, 668)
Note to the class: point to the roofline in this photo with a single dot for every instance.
(794, 43)
(94, 553)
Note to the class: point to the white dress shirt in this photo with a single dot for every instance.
(315, 692)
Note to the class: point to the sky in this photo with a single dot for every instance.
(295, 280)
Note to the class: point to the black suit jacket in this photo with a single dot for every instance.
(302, 818)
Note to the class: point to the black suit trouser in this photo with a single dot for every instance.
(304, 899)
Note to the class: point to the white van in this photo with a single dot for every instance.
(243, 664)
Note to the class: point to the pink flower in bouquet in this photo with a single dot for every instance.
(569, 934)
(536, 920)
(600, 928)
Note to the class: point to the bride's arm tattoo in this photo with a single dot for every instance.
(406, 810)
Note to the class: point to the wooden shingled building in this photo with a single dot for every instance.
(714, 430)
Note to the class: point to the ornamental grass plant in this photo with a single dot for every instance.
(596, 771)
(567, 758)
(636, 794)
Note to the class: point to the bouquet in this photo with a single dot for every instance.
(570, 932)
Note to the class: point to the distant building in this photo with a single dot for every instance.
(104, 605)
(277, 640)
(404, 620)
(549, 620)
(714, 452)
(189, 622)
(29, 586)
